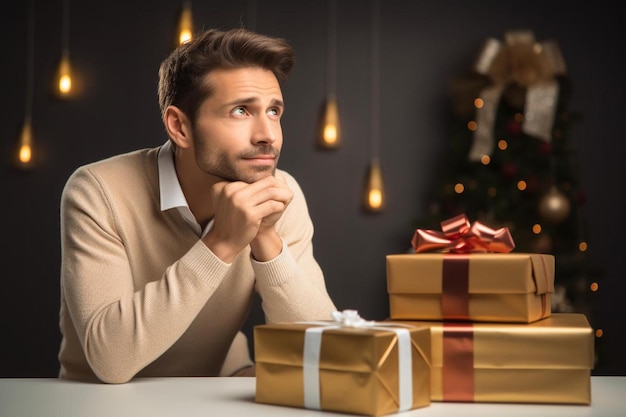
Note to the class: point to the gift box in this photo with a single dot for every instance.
(477, 287)
(548, 361)
(377, 369)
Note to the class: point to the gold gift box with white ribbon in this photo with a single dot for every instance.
(377, 369)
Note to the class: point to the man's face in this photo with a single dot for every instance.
(238, 136)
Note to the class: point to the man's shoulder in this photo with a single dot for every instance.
(124, 160)
(131, 170)
(122, 165)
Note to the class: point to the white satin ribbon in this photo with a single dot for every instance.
(351, 318)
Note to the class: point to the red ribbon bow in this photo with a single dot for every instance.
(459, 236)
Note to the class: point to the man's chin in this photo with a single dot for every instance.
(260, 175)
(250, 177)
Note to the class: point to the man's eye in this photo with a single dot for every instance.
(239, 111)
(274, 112)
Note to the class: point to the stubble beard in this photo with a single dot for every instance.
(220, 166)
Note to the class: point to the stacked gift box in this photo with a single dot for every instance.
(469, 321)
(493, 336)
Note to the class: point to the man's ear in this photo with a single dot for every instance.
(178, 126)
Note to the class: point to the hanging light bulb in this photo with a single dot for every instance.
(24, 149)
(330, 136)
(185, 25)
(63, 86)
(64, 76)
(24, 156)
(374, 193)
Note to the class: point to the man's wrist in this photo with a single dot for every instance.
(266, 246)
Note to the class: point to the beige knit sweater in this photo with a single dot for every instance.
(141, 295)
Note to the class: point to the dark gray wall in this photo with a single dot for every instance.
(116, 47)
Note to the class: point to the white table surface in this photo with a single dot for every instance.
(225, 397)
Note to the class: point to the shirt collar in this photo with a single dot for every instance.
(171, 194)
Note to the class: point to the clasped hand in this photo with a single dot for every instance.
(245, 214)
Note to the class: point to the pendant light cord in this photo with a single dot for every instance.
(331, 48)
(65, 37)
(30, 60)
(375, 80)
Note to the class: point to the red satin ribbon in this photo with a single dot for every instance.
(455, 287)
(458, 362)
(459, 236)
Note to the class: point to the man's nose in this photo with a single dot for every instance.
(266, 130)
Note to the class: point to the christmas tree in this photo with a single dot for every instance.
(509, 161)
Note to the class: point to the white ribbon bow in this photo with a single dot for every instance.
(351, 318)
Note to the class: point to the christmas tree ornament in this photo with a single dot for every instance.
(554, 207)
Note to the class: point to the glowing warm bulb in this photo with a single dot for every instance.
(65, 77)
(329, 135)
(185, 25)
(374, 195)
(65, 84)
(24, 149)
(25, 154)
(375, 198)
(185, 36)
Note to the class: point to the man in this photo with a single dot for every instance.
(163, 249)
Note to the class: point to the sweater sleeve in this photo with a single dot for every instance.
(292, 286)
(123, 329)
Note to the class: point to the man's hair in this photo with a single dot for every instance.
(182, 73)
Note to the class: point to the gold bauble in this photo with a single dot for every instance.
(554, 207)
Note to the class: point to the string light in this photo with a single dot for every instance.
(185, 24)
(374, 193)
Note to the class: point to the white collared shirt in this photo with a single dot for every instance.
(171, 193)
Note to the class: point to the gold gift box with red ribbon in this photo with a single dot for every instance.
(548, 361)
(373, 370)
(465, 273)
